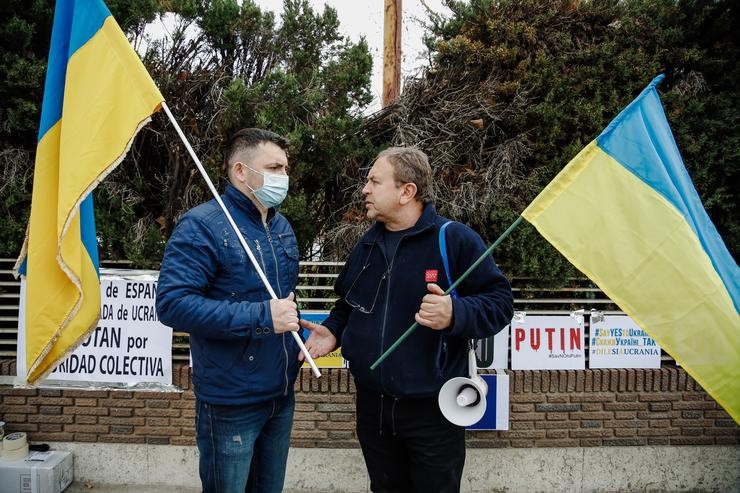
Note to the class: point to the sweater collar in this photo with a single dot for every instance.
(425, 221)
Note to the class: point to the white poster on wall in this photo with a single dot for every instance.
(548, 342)
(129, 344)
(493, 352)
(616, 341)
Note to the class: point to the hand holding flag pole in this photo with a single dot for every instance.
(449, 290)
(239, 235)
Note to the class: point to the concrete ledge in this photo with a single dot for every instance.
(595, 469)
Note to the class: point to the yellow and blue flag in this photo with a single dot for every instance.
(97, 96)
(625, 212)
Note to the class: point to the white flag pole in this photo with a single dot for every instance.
(243, 242)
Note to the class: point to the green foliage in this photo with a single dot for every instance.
(227, 65)
(551, 75)
(515, 90)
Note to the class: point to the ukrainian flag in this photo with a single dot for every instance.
(625, 212)
(96, 98)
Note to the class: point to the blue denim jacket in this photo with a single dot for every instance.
(209, 288)
(378, 298)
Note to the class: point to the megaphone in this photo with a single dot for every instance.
(462, 400)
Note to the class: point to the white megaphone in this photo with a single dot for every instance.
(463, 400)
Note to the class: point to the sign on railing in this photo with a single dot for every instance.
(129, 345)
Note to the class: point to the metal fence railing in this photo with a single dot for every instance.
(315, 293)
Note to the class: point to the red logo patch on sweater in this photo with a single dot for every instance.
(430, 275)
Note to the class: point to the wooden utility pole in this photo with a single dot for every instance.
(392, 51)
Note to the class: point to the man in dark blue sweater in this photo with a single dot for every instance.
(396, 275)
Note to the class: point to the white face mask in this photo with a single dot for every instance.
(273, 190)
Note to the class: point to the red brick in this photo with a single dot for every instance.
(626, 424)
(135, 421)
(692, 432)
(157, 403)
(694, 405)
(660, 397)
(722, 432)
(121, 439)
(591, 415)
(520, 443)
(48, 418)
(522, 408)
(522, 398)
(50, 427)
(13, 399)
(340, 425)
(659, 406)
(96, 411)
(658, 441)
(705, 423)
(51, 401)
(182, 441)
(592, 397)
(657, 432)
(580, 378)
(305, 434)
(75, 428)
(176, 413)
(626, 397)
(554, 424)
(85, 393)
(85, 437)
(347, 408)
(20, 409)
(691, 441)
(82, 419)
(521, 425)
(527, 416)
(86, 402)
(625, 432)
(53, 437)
(591, 433)
(157, 431)
(692, 396)
(556, 443)
(623, 442)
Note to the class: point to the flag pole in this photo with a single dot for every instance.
(449, 290)
(239, 235)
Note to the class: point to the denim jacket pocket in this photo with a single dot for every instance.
(289, 245)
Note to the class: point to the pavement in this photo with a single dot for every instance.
(90, 487)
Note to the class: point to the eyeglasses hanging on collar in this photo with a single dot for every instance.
(356, 305)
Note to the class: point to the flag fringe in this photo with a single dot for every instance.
(39, 358)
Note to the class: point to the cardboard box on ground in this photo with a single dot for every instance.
(39, 472)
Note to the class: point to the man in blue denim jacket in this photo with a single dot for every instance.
(394, 276)
(244, 363)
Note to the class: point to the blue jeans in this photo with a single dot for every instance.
(244, 448)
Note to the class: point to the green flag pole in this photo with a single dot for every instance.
(449, 290)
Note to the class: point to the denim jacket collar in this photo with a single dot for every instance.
(244, 203)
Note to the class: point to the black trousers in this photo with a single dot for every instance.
(408, 444)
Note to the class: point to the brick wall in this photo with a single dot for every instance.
(552, 408)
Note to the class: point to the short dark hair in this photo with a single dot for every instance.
(411, 165)
(249, 138)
